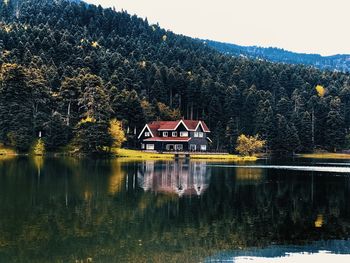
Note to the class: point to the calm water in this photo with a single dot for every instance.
(68, 210)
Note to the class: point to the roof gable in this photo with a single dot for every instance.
(149, 129)
(190, 125)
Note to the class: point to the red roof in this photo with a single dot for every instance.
(191, 125)
(168, 139)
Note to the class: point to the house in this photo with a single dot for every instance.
(181, 135)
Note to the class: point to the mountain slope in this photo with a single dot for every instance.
(336, 62)
(84, 65)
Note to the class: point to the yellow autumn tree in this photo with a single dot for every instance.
(87, 119)
(249, 145)
(321, 91)
(39, 147)
(117, 133)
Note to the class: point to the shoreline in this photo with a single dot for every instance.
(6, 153)
(325, 155)
(140, 155)
(137, 155)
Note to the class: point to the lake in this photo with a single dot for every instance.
(71, 210)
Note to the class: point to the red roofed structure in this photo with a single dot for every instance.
(181, 135)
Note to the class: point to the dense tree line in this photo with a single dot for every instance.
(334, 62)
(68, 68)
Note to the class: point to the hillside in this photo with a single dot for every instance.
(336, 62)
(68, 68)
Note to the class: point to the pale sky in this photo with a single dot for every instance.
(310, 26)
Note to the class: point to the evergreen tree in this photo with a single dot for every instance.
(284, 107)
(281, 141)
(56, 133)
(335, 131)
(92, 132)
(269, 129)
(305, 133)
(231, 135)
(16, 108)
(293, 139)
(69, 94)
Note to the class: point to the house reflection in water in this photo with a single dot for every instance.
(183, 178)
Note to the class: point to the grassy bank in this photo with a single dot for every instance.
(132, 154)
(140, 155)
(228, 157)
(6, 151)
(325, 155)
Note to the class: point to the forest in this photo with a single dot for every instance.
(67, 69)
(335, 62)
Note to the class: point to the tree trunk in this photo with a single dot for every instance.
(68, 113)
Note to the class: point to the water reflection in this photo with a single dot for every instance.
(182, 178)
(154, 211)
(249, 174)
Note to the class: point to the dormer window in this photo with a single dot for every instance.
(184, 134)
(165, 134)
(147, 134)
(174, 134)
(198, 134)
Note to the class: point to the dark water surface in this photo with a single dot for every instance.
(69, 210)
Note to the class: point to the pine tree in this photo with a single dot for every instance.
(305, 133)
(284, 107)
(16, 108)
(231, 135)
(281, 143)
(293, 140)
(269, 129)
(335, 131)
(69, 93)
(56, 133)
(40, 97)
(92, 135)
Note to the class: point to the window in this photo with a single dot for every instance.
(200, 134)
(179, 147)
(174, 134)
(142, 146)
(169, 147)
(149, 146)
(165, 134)
(147, 134)
(193, 147)
(184, 134)
(196, 134)
(203, 147)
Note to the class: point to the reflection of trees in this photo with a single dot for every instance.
(180, 178)
(116, 178)
(53, 221)
(249, 175)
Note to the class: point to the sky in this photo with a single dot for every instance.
(308, 26)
